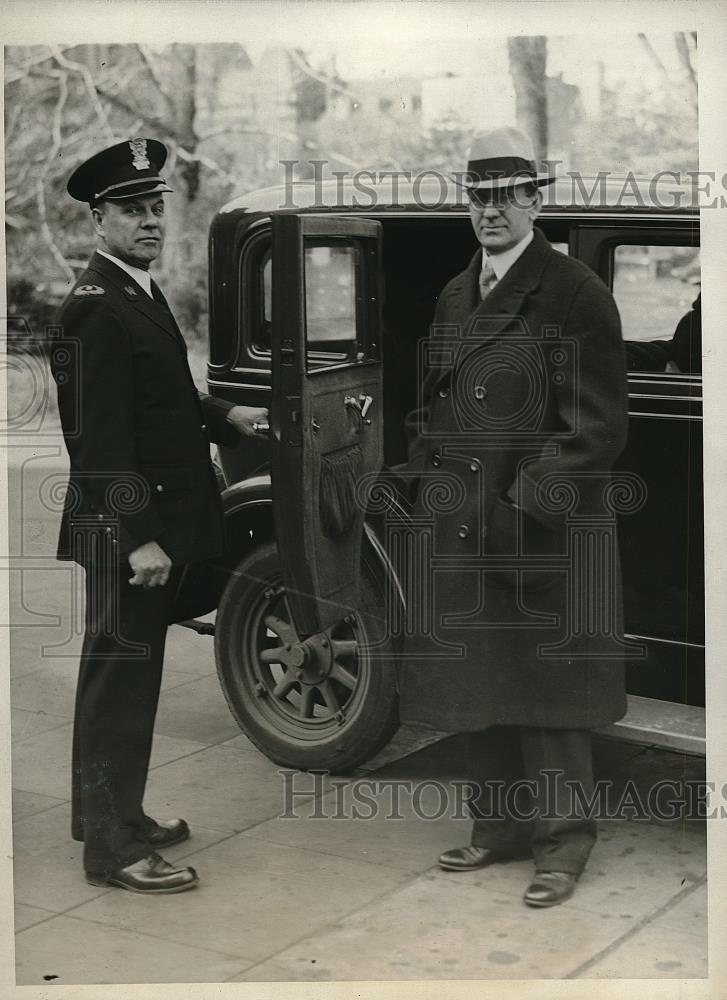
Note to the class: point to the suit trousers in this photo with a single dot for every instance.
(116, 703)
(526, 805)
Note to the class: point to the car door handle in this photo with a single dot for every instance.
(362, 405)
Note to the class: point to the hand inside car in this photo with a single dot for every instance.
(242, 418)
(151, 566)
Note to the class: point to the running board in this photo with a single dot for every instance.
(664, 724)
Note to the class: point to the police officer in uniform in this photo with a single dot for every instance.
(142, 503)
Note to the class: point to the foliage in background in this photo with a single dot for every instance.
(228, 123)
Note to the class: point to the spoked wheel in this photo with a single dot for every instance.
(325, 702)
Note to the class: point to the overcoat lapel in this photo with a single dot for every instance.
(490, 316)
(137, 297)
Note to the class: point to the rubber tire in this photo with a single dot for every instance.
(373, 721)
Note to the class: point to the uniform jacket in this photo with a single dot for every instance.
(137, 431)
(524, 412)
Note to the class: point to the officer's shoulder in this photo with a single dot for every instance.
(83, 290)
(90, 295)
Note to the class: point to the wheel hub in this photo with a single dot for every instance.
(310, 659)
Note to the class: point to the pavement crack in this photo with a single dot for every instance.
(632, 931)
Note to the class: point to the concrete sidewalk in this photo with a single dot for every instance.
(314, 897)
(325, 898)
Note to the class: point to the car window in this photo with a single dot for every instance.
(657, 292)
(330, 295)
(334, 325)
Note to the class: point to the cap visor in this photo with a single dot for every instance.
(136, 191)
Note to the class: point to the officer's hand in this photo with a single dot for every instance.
(243, 417)
(151, 566)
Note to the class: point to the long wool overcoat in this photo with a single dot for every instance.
(514, 592)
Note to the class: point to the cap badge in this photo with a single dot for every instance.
(138, 151)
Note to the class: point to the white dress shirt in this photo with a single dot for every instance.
(502, 262)
(140, 276)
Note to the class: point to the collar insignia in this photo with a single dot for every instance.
(89, 290)
(138, 151)
(130, 290)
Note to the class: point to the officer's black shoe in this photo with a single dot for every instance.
(164, 833)
(151, 876)
(467, 859)
(550, 888)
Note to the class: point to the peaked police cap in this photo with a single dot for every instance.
(125, 170)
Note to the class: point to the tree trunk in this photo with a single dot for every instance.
(527, 67)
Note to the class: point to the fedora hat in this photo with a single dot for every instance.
(502, 158)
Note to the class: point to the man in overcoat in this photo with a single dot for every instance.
(142, 503)
(523, 413)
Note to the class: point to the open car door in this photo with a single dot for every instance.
(327, 407)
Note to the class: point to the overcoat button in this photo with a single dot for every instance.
(480, 392)
(159, 488)
(463, 531)
(474, 466)
(436, 460)
(100, 517)
(204, 427)
(444, 392)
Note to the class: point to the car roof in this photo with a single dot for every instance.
(431, 191)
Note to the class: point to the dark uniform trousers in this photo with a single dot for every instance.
(540, 814)
(116, 703)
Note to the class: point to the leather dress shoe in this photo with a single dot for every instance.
(550, 888)
(467, 859)
(152, 876)
(164, 833)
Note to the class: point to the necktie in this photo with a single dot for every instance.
(488, 279)
(158, 297)
(156, 294)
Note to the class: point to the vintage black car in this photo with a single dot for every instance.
(319, 302)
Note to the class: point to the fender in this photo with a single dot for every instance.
(248, 509)
(254, 490)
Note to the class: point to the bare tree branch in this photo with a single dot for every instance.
(188, 157)
(161, 125)
(13, 117)
(653, 55)
(150, 63)
(18, 71)
(247, 130)
(85, 74)
(685, 57)
(40, 184)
